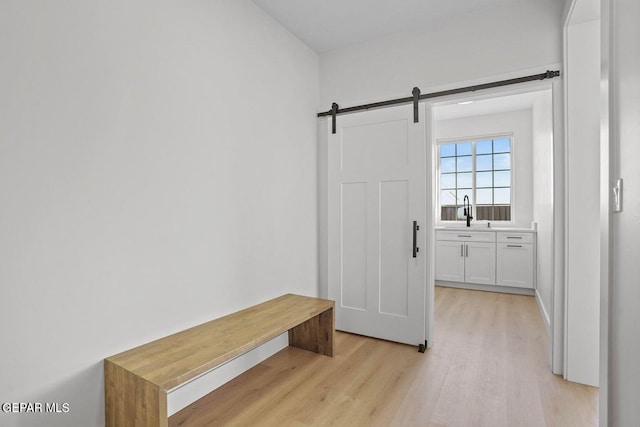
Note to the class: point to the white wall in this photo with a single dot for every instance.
(158, 168)
(486, 43)
(622, 66)
(583, 203)
(542, 158)
(519, 124)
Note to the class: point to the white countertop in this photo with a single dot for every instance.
(507, 229)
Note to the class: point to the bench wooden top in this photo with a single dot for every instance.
(177, 358)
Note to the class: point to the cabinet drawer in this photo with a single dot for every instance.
(466, 236)
(507, 237)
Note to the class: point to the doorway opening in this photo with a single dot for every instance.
(493, 168)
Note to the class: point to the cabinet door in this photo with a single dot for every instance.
(480, 263)
(450, 261)
(515, 265)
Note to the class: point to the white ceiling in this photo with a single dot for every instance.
(331, 24)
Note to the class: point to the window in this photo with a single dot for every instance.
(480, 169)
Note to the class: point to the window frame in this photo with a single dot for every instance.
(473, 140)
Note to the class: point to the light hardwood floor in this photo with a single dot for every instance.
(489, 366)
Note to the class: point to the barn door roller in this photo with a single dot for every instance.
(416, 98)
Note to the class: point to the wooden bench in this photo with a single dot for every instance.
(137, 381)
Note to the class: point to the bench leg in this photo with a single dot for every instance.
(316, 334)
(130, 401)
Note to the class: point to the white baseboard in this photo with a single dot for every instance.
(545, 314)
(486, 288)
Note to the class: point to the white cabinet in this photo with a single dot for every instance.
(468, 257)
(515, 260)
(480, 263)
(486, 257)
(450, 261)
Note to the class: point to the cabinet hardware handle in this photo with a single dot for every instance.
(467, 248)
(514, 237)
(514, 246)
(416, 227)
(461, 250)
(463, 235)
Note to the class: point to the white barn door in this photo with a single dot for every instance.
(376, 190)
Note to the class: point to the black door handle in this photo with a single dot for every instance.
(416, 227)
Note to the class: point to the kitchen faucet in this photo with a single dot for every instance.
(467, 210)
